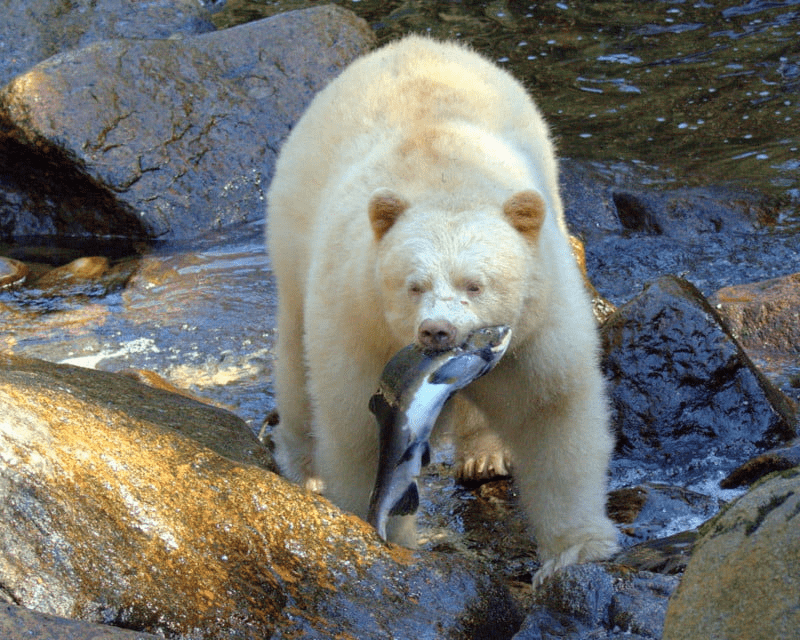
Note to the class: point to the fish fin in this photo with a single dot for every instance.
(426, 454)
(408, 503)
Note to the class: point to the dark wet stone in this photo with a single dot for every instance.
(599, 602)
(33, 31)
(685, 398)
(163, 138)
(668, 555)
(653, 511)
(18, 623)
(588, 205)
(481, 521)
(718, 236)
(779, 459)
(117, 507)
(685, 213)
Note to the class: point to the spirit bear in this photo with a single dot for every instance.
(416, 200)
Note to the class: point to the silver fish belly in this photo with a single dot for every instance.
(414, 387)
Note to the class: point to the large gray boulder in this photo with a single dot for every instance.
(33, 31)
(163, 138)
(743, 580)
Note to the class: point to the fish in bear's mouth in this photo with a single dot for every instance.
(414, 387)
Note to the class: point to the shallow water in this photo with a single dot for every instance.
(201, 316)
(691, 92)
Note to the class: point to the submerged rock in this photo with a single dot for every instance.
(599, 601)
(743, 579)
(163, 138)
(12, 272)
(654, 511)
(685, 398)
(131, 506)
(779, 459)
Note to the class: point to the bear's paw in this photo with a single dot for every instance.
(483, 467)
(592, 549)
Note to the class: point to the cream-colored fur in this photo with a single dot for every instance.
(422, 185)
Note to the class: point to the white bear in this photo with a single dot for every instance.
(416, 200)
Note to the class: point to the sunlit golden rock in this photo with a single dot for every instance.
(124, 503)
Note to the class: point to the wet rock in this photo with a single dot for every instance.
(668, 555)
(115, 508)
(33, 31)
(653, 511)
(685, 213)
(18, 623)
(763, 315)
(80, 270)
(163, 138)
(779, 459)
(12, 272)
(81, 279)
(482, 521)
(599, 601)
(743, 579)
(686, 400)
(716, 237)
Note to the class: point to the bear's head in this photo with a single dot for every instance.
(443, 273)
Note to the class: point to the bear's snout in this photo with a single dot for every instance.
(437, 334)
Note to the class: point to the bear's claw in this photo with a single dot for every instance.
(487, 467)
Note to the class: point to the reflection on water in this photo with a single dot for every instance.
(199, 316)
(700, 92)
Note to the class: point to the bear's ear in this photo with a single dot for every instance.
(525, 210)
(385, 206)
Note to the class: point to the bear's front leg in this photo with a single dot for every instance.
(561, 471)
(292, 437)
(562, 446)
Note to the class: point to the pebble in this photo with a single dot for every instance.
(12, 272)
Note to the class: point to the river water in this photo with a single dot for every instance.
(682, 93)
(692, 92)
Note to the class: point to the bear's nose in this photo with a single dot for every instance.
(437, 334)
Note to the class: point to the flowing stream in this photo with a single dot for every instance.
(691, 92)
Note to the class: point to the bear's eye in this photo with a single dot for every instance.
(473, 288)
(415, 288)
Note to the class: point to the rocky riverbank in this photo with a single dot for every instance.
(135, 499)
